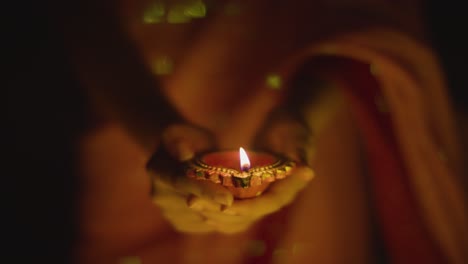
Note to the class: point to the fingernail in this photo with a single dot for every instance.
(194, 203)
(184, 151)
(196, 206)
(223, 198)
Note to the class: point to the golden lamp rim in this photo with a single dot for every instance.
(255, 176)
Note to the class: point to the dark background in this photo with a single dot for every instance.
(46, 113)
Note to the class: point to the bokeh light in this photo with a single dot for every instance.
(273, 81)
(154, 13)
(163, 65)
(178, 13)
(196, 9)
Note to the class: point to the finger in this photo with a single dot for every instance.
(184, 218)
(188, 222)
(205, 189)
(201, 188)
(201, 205)
(183, 141)
(285, 134)
(192, 228)
(229, 228)
(224, 219)
(166, 201)
(292, 141)
(277, 196)
(175, 210)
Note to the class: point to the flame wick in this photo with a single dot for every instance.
(244, 160)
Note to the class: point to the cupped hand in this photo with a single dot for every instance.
(287, 135)
(201, 206)
(187, 204)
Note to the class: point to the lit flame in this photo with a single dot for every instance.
(244, 160)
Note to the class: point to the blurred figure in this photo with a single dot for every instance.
(350, 89)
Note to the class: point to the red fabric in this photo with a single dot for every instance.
(406, 237)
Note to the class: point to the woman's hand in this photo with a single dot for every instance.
(186, 203)
(290, 137)
(196, 206)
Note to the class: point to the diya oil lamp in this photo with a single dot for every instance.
(244, 175)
